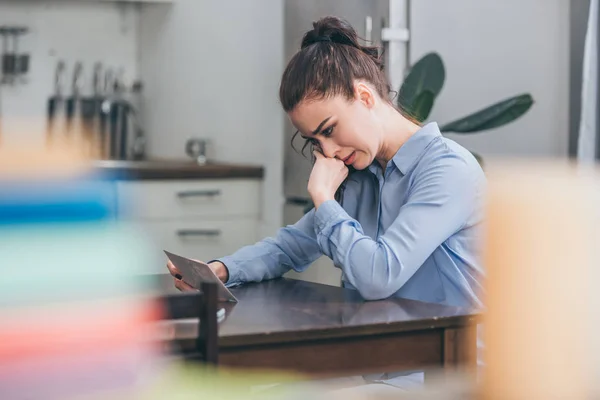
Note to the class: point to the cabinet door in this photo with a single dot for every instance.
(215, 199)
(199, 239)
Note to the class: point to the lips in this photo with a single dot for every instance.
(350, 159)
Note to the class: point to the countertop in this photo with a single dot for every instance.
(176, 169)
(284, 310)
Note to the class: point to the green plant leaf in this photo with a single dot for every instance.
(478, 158)
(427, 74)
(423, 105)
(493, 116)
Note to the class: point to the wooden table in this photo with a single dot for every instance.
(324, 330)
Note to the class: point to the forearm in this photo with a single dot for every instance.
(294, 246)
(377, 268)
(256, 263)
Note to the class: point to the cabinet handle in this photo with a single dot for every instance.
(199, 193)
(199, 232)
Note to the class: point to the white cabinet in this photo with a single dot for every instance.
(159, 200)
(200, 238)
(201, 219)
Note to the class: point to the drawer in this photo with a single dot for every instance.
(180, 199)
(199, 239)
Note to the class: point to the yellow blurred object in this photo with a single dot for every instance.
(76, 135)
(19, 162)
(180, 381)
(539, 258)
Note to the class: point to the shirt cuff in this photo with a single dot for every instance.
(327, 214)
(233, 269)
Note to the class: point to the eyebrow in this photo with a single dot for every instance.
(319, 127)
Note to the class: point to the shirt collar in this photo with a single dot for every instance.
(410, 152)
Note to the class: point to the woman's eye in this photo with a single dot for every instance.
(327, 132)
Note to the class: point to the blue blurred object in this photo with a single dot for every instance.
(75, 199)
(72, 303)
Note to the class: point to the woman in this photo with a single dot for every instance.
(406, 218)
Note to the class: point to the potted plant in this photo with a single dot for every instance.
(424, 83)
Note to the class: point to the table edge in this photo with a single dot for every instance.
(232, 341)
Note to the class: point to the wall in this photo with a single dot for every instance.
(68, 30)
(211, 70)
(493, 50)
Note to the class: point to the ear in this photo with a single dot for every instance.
(364, 93)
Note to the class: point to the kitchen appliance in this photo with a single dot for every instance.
(14, 64)
(121, 133)
(73, 106)
(103, 122)
(21, 60)
(55, 105)
(196, 149)
(384, 23)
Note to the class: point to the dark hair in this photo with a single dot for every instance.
(329, 60)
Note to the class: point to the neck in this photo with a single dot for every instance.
(396, 131)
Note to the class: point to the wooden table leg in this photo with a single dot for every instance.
(460, 349)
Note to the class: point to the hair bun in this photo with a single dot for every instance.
(331, 29)
(338, 31)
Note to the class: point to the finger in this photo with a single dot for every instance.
(182, 286)
(344, 175)
(173, 270)
(318, 155)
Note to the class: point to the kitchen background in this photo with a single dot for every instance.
(210, 70)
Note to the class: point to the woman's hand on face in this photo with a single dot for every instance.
(326, 177)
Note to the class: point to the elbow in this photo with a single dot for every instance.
(381, 280)
(373, 291)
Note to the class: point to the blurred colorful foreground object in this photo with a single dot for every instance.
(78, 314)
(542, 319)
(74, 319)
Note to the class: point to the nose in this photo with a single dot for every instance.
(330, 149)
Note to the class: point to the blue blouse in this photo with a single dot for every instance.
(410, 231)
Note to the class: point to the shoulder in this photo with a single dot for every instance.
(449, 158)
(448, 169)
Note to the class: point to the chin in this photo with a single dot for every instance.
(359, 164)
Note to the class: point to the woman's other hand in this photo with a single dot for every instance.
(177, 278)
(218, 268)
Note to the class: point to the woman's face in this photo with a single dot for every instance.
(347, 130)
